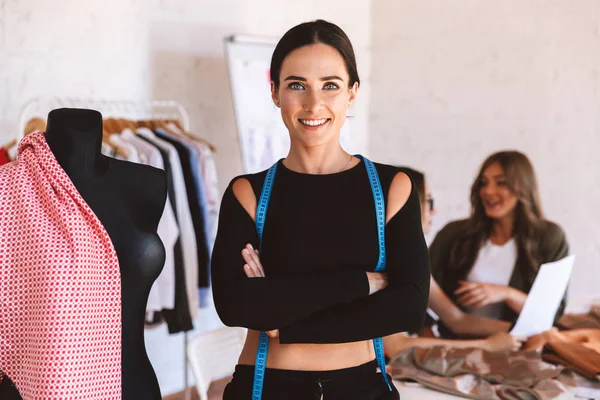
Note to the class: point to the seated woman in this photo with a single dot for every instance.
(488, 262)
(450, 315)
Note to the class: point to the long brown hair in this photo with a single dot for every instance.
(529, 219)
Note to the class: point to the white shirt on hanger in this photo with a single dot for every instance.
(494, 264)
(162, 293)
(186, 228)
(132, 153)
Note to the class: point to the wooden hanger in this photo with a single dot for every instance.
(198, 138)
(145, 123)
(191, 135)
(178, 124)
(10, 144)
(35, 124)
(130, 124)
(110, 125)
(121, 151)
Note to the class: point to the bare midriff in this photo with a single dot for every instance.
(308, 357)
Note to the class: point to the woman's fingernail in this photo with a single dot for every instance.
(246, 251)
(250, 246)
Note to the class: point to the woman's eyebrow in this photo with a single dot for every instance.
(325, 78)
(295, 78)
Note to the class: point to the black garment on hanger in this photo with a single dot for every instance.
(187, 158)
(178, 319)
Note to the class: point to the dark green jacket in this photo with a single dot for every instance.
(553, 246)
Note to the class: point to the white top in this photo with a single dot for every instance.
(162, 294)
(132, 153)
(494, 264)
(186, 228)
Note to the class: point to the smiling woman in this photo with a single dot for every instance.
(342, 260)
(488, 262)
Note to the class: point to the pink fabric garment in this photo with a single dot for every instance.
(60, 290)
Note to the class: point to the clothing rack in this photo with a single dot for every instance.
(127, 109)
(133, 110)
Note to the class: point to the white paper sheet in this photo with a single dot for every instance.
(544, 297)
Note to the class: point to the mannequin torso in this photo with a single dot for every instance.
(128, 199)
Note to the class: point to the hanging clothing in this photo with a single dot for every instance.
(179, 318)
(107, 150)
(188, 277)
(211, 201)
(54, 253)
(195, 192)
(162, 294)
(132, 152)
(211, 183)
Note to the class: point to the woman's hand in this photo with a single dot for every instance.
(475, 295)
(377, 281)
(537, 342)
(503, 341)
(254, 269)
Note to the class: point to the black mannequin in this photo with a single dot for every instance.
(128, 199)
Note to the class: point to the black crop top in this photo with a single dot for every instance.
(319, 239)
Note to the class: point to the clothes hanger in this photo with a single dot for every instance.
(111, 125)
(35, 124)
(132, 125)
(144, 123)
(106, 132)
(195, 137)
(9, 144)
(189, 135)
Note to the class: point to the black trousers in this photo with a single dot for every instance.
(356, 383)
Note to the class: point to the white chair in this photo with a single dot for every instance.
(213, 355)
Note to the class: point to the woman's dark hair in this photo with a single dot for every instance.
(419, 179)
(314, 32)
(529, 219)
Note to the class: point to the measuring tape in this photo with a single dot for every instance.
(261, 214)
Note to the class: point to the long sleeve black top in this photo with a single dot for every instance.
(319, 239)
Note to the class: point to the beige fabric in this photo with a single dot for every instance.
(481, 375)
(591, 320)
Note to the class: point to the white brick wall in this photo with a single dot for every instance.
(456, 81)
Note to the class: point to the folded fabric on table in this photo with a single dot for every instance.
(482, 375)
(590, 320)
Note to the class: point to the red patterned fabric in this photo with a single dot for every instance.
(4, 158)
(60, 289)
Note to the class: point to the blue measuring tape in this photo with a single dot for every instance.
(261, 214)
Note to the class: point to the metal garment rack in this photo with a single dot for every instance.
(126, 109)
(133, 110)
